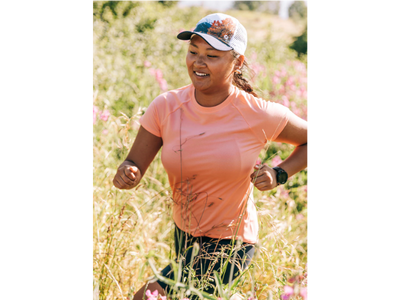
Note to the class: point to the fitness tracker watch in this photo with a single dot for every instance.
(281, 175)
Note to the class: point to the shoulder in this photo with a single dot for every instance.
(248, 103)
(174, 98)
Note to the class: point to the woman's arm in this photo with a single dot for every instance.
(295, 133)
(142, 153)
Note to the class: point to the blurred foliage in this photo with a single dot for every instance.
(168, 3)
(270, 7)
(136, 56)
(297, 9)
(300, 43)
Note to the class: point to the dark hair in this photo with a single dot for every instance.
(238, 79)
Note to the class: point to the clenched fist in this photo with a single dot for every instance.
(264, 178)
(127, 177)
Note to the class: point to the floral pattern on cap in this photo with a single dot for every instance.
(222, 30)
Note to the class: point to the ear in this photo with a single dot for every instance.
(239, 62)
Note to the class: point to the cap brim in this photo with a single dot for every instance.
(212, 41)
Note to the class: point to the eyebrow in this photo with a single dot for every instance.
(206, 48)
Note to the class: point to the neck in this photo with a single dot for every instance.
(212, 99)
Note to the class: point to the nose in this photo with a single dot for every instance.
(199, 62)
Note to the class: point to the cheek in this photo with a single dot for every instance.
(188, 61)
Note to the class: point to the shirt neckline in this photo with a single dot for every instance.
(220, 106)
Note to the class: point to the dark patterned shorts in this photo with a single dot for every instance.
(212, 255)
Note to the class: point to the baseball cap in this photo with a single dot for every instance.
(221, 32)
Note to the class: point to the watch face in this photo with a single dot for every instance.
(282, 177)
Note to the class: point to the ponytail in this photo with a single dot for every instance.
(241, 82)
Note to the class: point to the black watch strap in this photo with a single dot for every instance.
(281, 175)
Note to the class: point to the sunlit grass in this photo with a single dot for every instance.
(133, 230)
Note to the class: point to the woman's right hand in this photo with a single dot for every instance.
(127, 177)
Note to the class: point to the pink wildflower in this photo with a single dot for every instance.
(163, 84)
(276, 160)
(95, 111)
(303, 293)
(289, 81)
(283, 193)
(105, 131)
(287, 292)
(147, 64)
(151, 295)
(275, 80)
(283, 72)
(258, 161)
(299, 217)
(104, 115)
(257, 68)
(152, 71)
(285, 101)
(300, 66)
(158, 74)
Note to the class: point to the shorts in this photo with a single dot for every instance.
(207, 260)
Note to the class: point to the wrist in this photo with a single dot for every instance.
(128, 162)
(281, 175)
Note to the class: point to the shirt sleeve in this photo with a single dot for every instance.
(151, 118)
(276, 119)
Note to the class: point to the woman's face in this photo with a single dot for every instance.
(217, 65)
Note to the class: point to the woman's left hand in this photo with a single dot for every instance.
(264, 178)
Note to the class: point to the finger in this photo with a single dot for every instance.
(117, 182)
(263, 178)
(125, 180)
(133, 169)
(130, 173)
(258, 169)
(257, 173)
(264, 185)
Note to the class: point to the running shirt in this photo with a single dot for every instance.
(209, 154)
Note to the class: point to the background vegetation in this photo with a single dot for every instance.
(137, 57)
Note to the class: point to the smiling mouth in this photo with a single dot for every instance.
(201, 74)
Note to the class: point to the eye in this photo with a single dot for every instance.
(212, 56)
(191, 52)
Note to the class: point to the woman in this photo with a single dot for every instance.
(211, 133)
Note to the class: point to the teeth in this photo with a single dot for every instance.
(201, 74)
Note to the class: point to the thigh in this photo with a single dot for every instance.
(224, 258)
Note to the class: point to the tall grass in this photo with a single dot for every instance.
(134, 57)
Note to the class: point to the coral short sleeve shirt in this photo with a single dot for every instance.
(209, 154)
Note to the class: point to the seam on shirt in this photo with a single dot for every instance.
(179, 106)
(262, 142)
